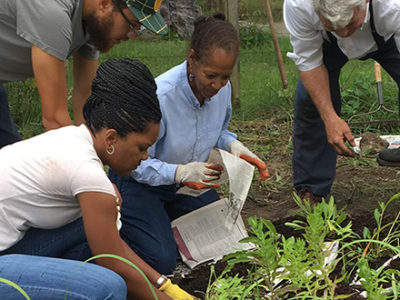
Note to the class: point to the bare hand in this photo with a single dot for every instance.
(338, 132)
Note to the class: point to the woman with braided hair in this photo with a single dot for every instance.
(57, 201)
(195, 100)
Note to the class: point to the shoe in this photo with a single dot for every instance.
(389, 157)
(306, 194)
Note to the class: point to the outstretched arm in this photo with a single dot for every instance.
(316, 82)
(99, 218)
(49, 73)
(84, 72)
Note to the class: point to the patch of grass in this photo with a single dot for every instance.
(250, 10)
(254, 10)
(158, 55)
(25, 107)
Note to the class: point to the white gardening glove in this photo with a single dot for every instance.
(238, 149)
(197, 175)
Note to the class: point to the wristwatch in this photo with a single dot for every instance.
(160, 281)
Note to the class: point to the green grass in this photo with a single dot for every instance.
(254, 10)
(250, 10)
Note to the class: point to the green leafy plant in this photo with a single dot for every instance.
(388, 233)
(374, 280)
(265, 256)
(284, 267)
(228, 287)
(306, 259)
(252, 36)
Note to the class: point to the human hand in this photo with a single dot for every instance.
(338, 133)
(175, 292)
(238, 149)
(197, 175)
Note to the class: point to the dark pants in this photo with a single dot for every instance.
(314, 159)
(68, 241)
(8, 132)
(146, 215)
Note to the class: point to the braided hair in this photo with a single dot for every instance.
(212, 33)
(123, 98)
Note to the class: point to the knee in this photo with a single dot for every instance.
(110, 286)
(161, 258)
(165, 264)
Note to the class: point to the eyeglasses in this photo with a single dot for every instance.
(132, 26)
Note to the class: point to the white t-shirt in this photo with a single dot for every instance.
(307, 33)
(41, 177)
(53, 26)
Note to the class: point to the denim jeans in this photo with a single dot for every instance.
(8, 132)
(314, 159)
(146, 215)
(68, 241)
(45, 278)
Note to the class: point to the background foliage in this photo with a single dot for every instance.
(262, 95)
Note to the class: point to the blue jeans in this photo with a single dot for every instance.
(45, 278)
(146, 216)
(314, 159)
(68, 241)
(8, 132)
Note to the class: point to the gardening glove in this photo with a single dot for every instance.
(238, 149)
(175, 292)
(197, 175)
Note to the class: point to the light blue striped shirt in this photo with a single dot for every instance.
(188, 131)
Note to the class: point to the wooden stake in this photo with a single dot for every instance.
(276, 44)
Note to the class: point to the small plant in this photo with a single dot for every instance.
(374, 280)
(388, 233)
(265, 256)
(307, 259)
(284, 267)
(227, 287)
(252, 36)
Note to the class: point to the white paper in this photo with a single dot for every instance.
(213, 231)
(240, 175)
(202, 235)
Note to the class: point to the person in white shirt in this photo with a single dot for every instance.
(56, 198)
(195, 100)
(325, 34)
(38, 36)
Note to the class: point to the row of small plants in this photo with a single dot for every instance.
(325, 254)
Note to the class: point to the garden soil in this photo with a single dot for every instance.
(359, 185)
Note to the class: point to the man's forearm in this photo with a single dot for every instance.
(316, 82)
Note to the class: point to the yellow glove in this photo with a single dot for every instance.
(175, 292)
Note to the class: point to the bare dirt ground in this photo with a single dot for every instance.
(360, 184)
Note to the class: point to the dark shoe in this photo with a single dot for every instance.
(306, 194)
(389, 157)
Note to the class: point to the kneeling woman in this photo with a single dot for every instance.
(51, 180)
(195, 100)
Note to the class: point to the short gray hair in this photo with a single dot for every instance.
(338, 12)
